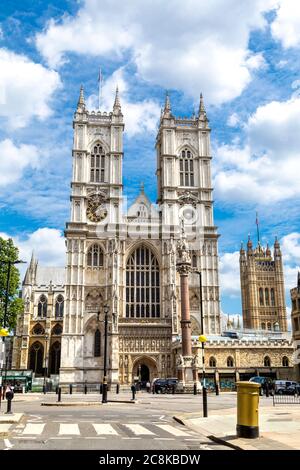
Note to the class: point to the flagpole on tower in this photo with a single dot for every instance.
(258, 240)
(99, 88)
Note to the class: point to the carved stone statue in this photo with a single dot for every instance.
(179, 360)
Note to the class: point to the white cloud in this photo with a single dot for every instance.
(286, 26)
(230, 274)
(15, 159)
(1, 33)
(264, 169)
(48, 245)
(139, 116)
(26, 88)
(233, 120)
(187, 45)
(290, 245)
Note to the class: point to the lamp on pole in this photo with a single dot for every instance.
(202, 339)
(9, 264)
(45, 362)
(104, 383)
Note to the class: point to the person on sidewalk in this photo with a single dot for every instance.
(148, 386)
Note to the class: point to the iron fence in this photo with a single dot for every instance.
(286, 400)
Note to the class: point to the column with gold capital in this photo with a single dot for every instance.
(183, 267)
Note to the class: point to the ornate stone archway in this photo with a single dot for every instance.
(146, 366)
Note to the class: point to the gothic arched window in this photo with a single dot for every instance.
(36, 355)
(230, 362)
(267, 361)
(38, 330)
(54, 356)
(267, 297)
(95, 256)
(97, 343)
(97, 164)
(285, 361)
(261, 296)
(57, 330)
(142, 284)
(263, 326)
(59, 306)
(186, 168)
(212, 362)
(42, 306)
(272, 297)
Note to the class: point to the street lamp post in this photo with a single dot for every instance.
(104, 383)
(204, 390)
(46, 362)
(9, 264)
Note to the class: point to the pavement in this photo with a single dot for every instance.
(279, 428)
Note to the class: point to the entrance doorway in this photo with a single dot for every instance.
(145, 375)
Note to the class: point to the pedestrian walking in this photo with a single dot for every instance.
(148, 386)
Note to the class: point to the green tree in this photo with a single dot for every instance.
(9, 252)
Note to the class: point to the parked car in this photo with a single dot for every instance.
(164, 385)
(264, 382)
(287, 387)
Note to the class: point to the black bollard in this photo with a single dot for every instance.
(0, 394)
(133, 394)
(101, 388)
(71, 389)
(59, 394)
(195, 389)
(217, 390)
(85, 389)
(117, 388)
(204, 391)
(173, 389)
(56, 390)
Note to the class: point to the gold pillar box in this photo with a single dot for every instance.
(247, 409)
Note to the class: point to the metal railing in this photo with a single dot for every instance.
(286, 399)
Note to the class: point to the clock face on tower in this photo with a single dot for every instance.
(96, 209)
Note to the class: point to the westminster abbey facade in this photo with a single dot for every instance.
(126, 261)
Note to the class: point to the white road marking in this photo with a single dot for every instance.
(8, 444)
(164, 439)
(69, 429)
(103, 428)
(124, 438)
(162, 417)
(172, 430)
(34, 428)
(139, 430)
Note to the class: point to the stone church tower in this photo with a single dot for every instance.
(262, 285)
(127, 261)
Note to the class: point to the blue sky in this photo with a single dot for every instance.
(248, 71)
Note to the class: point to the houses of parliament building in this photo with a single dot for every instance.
(125, 264)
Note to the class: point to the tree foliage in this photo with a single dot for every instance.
(9, 252)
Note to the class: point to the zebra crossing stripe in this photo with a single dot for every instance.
(33, 428)
(172, 430)
(139, 430)
(70, 429)
(104, 428)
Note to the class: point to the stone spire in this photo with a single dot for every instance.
(249, 244)
(31, 271)
(202, 112)
(117, 104)
(167, 108)
(81, 102)
(298, 282)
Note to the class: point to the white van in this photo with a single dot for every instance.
(285, 386)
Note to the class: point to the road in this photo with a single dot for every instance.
(147, 424)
